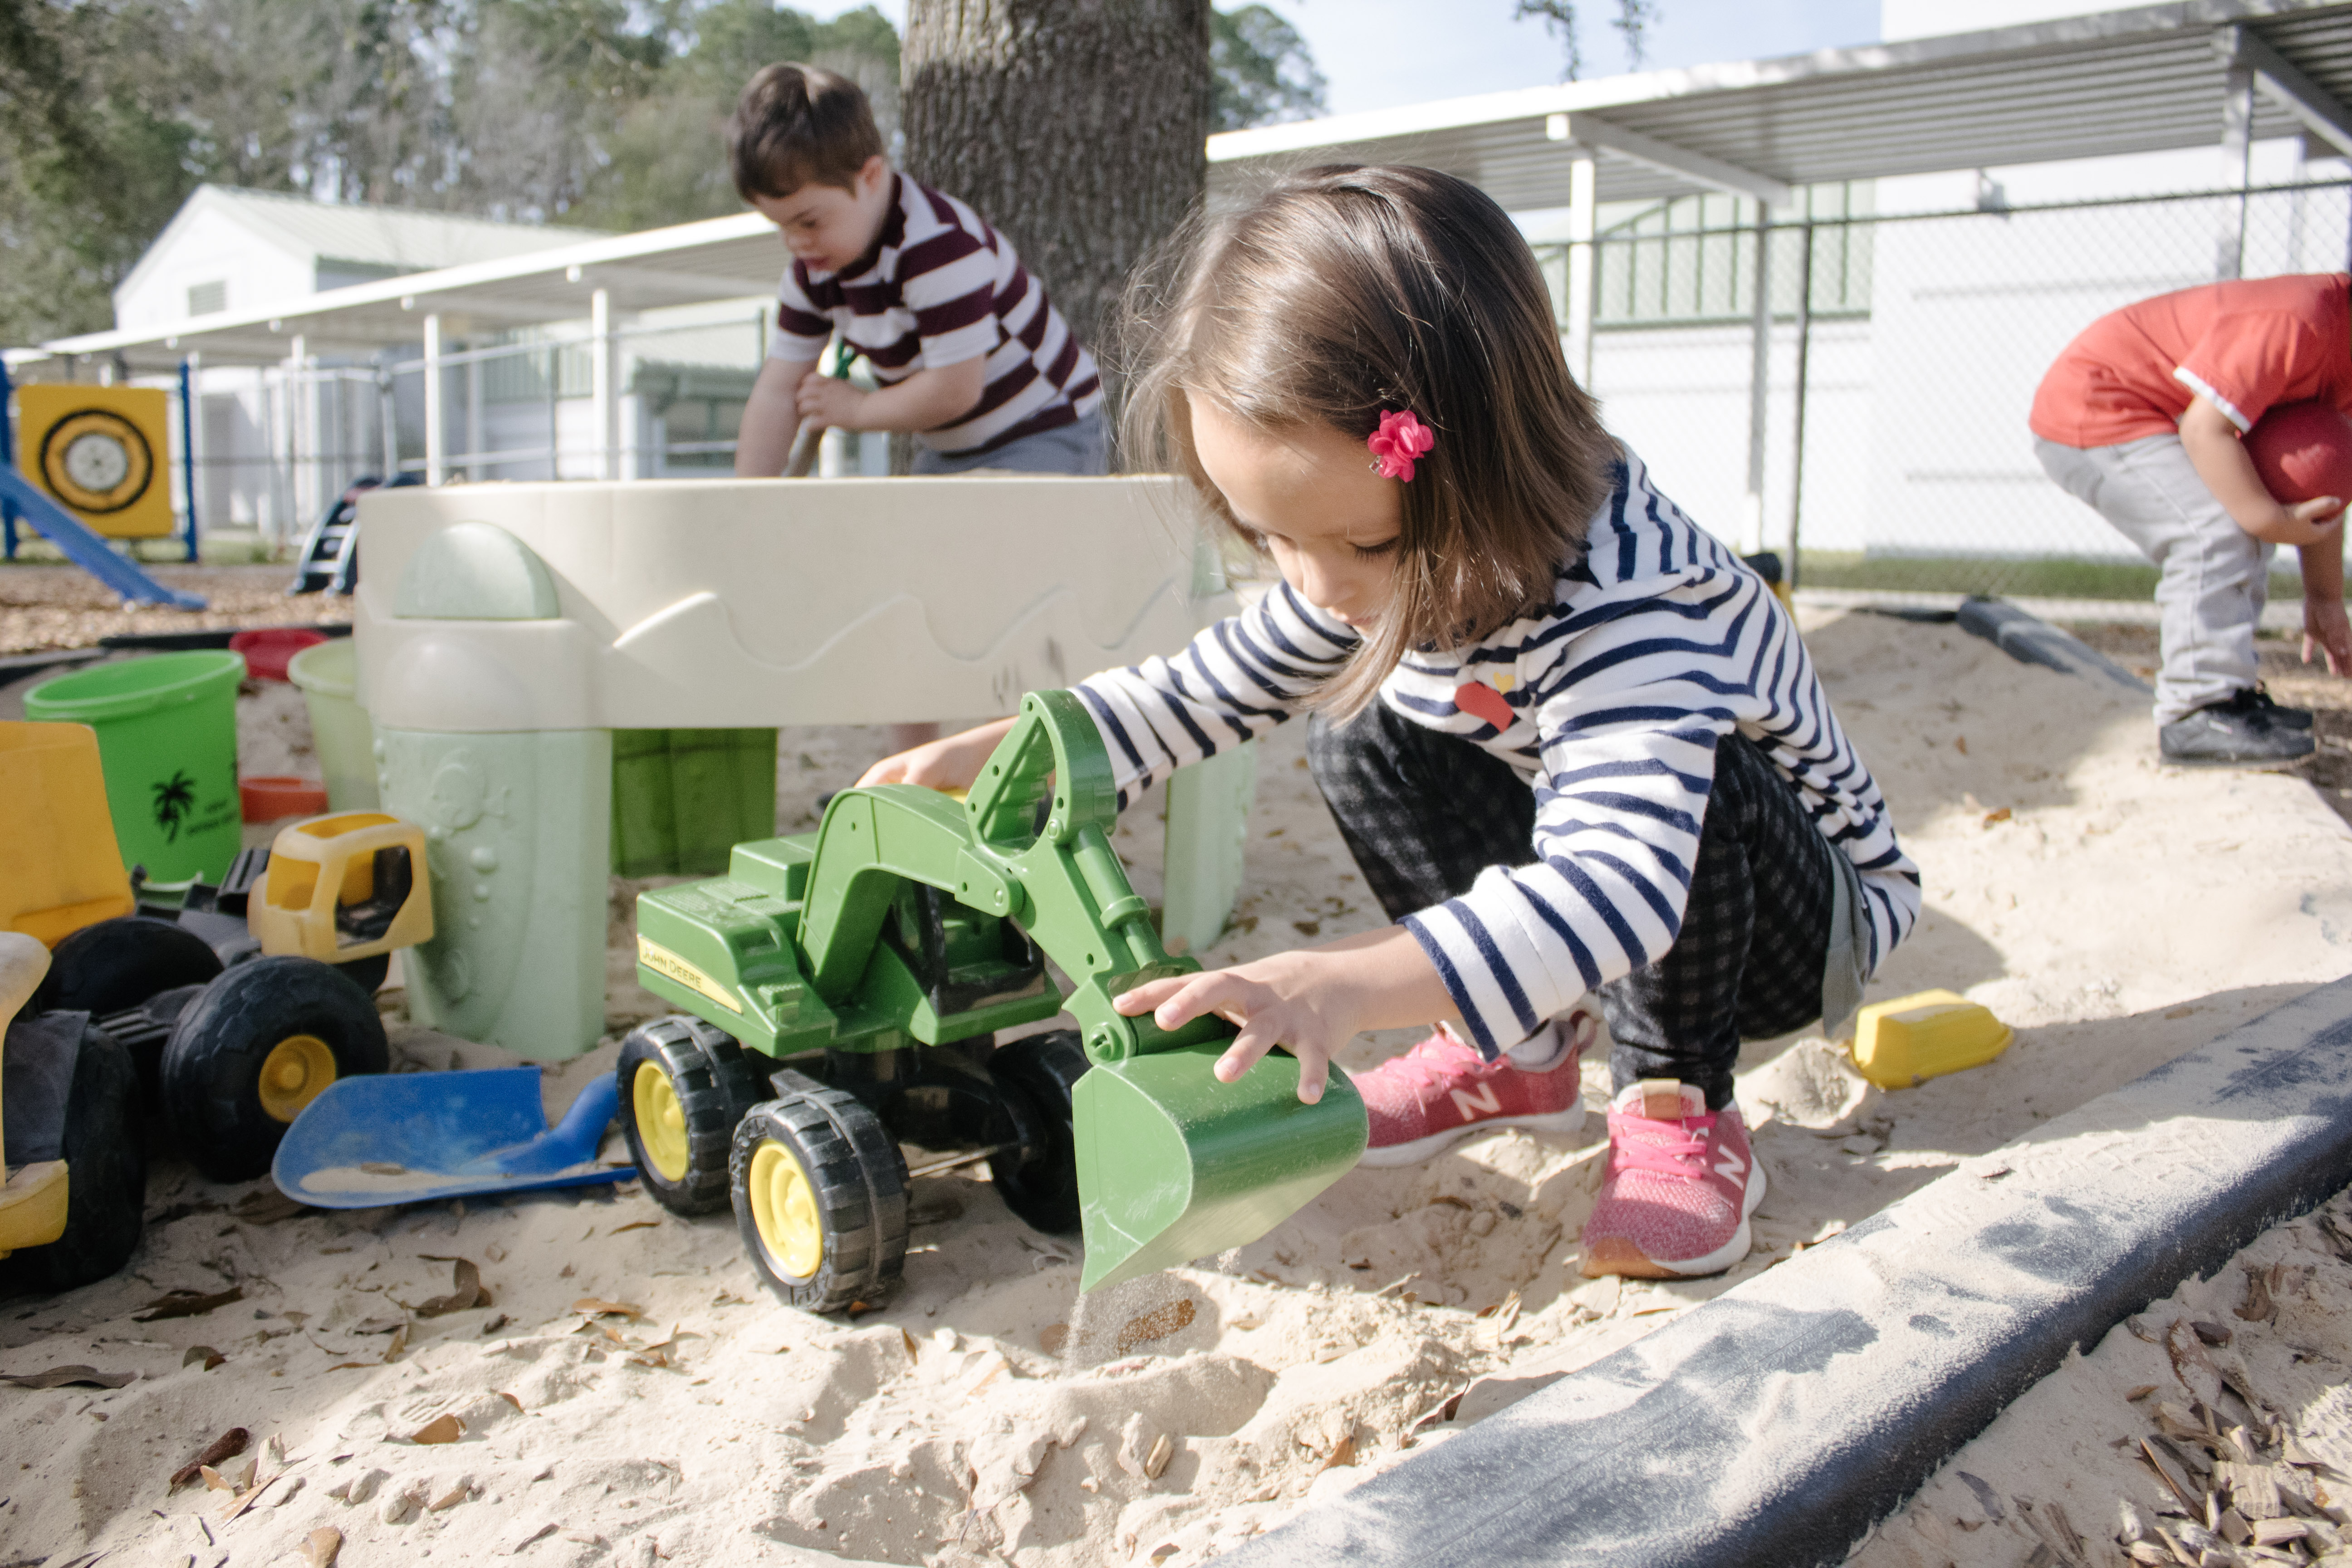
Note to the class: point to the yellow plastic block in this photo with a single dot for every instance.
(33, 1205)
(343, 886)
(59, 867)
(104, 452)
(1912, 1038)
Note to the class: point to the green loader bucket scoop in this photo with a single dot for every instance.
(1172, 1165)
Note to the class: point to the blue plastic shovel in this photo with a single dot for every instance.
(411, 1138)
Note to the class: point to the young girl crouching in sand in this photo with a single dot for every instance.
(1576, 748)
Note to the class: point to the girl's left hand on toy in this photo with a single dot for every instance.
(1310, 1002)
(830, 403)
(1275, 1002)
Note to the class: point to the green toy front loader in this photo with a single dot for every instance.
(878, 957)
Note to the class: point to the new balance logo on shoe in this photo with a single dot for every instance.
(1731, 1167)
(1470, 1104)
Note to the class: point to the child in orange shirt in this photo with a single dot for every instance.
(2140, 420)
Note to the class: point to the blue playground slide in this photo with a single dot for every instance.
(86, 549)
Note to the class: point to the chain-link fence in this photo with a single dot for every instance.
(1904, 351)
(275, 446)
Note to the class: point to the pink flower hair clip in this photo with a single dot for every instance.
(1400, 439)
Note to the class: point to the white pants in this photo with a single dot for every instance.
(2216, 574)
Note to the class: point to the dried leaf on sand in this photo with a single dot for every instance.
(596, 1307)
(440, 1429)
(67, 1376)
(186, 1304)
(219, 1451)
(267, 1205)
(466, 1289)
(319, 1551)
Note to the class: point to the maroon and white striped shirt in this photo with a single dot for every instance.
(939, 287)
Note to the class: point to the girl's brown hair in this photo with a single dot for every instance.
(1343, 292)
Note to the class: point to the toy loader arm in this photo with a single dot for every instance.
(1064, 885)
(1171, 1164)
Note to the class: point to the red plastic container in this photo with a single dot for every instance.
(267, 649)
(265, 798)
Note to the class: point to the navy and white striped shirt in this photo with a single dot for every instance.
(1657, 642)
(939, 287)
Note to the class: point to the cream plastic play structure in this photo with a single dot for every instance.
(505, 631)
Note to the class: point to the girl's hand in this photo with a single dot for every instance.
(1289, 1000)
(950, 763)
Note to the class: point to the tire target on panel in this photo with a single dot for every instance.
(96, 461)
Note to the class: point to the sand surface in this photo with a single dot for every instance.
(2115, 913)
(2246, 1369)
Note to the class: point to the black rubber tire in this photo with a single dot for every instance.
(1041, 1189)
(368, 973)
(119, 963)
(715, 1085)
(106, 1176)
(859, 1181)
(212, 1063)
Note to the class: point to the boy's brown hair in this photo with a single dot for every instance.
(798, 125)
(1341, 292)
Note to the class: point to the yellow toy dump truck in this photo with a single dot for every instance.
(76, 1166)
(237, 1008)
(878, 957)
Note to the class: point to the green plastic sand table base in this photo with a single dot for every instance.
(909, 915)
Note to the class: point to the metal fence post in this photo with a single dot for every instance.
(1794, 565)
(188, 443)
(7, 460)
(2237, 155)
(600, 379)
(1759, 381)
(1581, 286)
(436, 471)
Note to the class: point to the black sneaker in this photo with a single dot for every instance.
(2291, 718)
(2239, 732)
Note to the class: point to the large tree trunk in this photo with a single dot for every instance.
(1076, 127)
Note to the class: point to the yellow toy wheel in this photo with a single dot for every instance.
(253, 1049)
(293, 1074)
(684, 1085)
(784, 1210)
(661, 1120)
(820, 1192)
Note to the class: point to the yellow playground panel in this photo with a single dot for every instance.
(103, 452)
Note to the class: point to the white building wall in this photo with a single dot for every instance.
(211, 247)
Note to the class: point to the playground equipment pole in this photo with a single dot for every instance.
(188, 445)
(7, 460)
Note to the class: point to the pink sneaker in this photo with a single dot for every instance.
(1441, 1089)
(1680, 1184)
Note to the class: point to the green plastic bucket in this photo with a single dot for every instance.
(328, 675)
(167, 742)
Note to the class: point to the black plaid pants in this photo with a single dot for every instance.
(1424, 813)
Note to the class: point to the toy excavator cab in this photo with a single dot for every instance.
(912, 920)
(343, 888)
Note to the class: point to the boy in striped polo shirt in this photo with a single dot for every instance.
(973, 359)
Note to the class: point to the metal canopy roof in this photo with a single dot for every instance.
(2148, 79)
(718, 258)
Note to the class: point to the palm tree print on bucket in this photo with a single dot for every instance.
(175, 798)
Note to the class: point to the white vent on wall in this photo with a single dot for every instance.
(203, 298)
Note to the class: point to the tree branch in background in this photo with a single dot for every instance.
(1264, 73)
(1633, 21)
